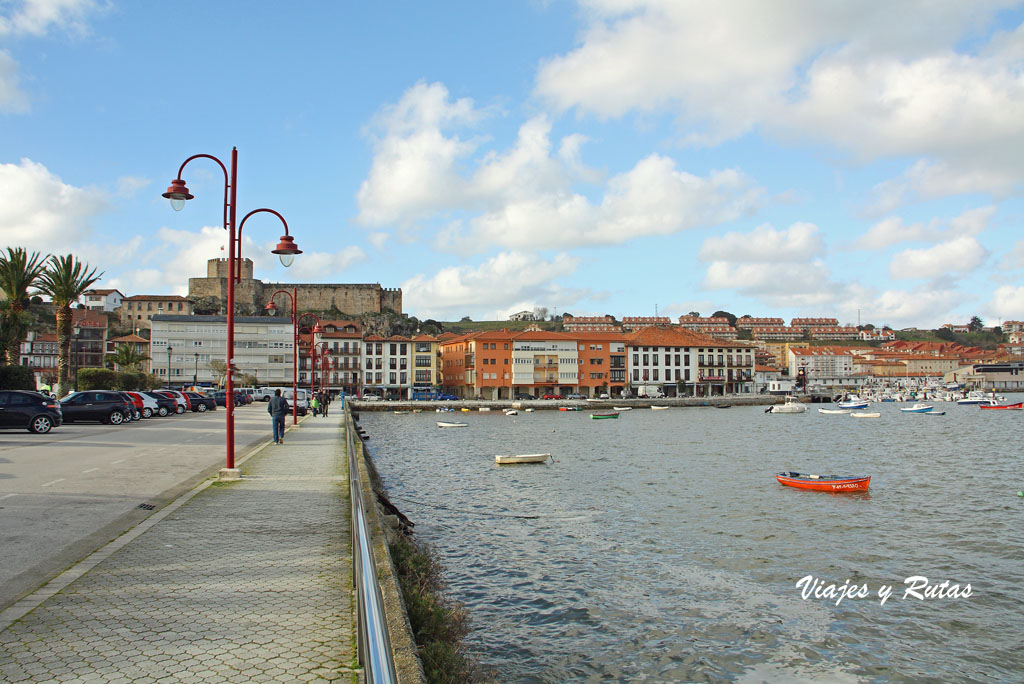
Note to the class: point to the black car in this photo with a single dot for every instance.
(201, 403)
(30, 411)
(104, 406)
(221, 399)
(523, 395)
(165, 405)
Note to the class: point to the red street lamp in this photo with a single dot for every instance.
(295, 344)
(313, 356)
(178, 194)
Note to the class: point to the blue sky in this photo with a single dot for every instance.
(856, 160)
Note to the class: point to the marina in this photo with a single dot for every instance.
(624, 561)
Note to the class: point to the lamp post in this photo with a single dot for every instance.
(313, 332)
(295, 344)
(313, 356)
(178, 194)
(195, 374)
(169, 350)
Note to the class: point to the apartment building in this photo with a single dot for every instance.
(631, 323)
(748, 322)
(182, 348)
(103, 300)
(833, 332)
(138, 311)
(545, 363)
(776, 333)
(139, 344)
(340, 364)
(387, 366)
(684, 363)
(803, 323)
(603, 365)
(572, 323)
(822, 366)
(426, 363)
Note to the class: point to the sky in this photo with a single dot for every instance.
(856, 160)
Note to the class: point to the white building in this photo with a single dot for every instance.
(103, 300)
(185, 346)
(822, 366)
(387, 366)
(545, 361)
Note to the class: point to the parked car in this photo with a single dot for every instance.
(179, 398)
(575, 395)
(30, 411)
(200, 403)
(149, 404)
(105, 406)
(523, 395)
(370, 397)
(221, 399)
(136, 405)
(165, 404)
(552, 396)
(302, 404)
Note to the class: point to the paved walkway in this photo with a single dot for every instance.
(248, 581)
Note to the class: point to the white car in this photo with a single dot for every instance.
(179, 398)
(370, 397)
(149, 404)
(302, 405)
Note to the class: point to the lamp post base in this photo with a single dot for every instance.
(230, 474)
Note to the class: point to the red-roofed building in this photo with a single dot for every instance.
(636, 322)
(681, 362)
(572, 323)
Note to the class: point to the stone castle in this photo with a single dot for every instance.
(254, 294)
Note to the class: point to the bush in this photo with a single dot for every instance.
(129, 380)
(17, 378)
(96, 379)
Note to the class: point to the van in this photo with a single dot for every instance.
(650, 392)
(301, 404)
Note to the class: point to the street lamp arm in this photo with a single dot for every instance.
(227, 181)
(286, 249)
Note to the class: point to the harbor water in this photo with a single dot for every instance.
(658, 547)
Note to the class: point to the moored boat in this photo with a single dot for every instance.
(521, 458)
(623, 408)
(447, 424)
(824, 483)
(918, 408)
(861, 414)
(834, 412)
(659, 408)
(853, 402)
(598, 416)
(568, 408)
(1019, 406)
(934, 413)
(792, 405)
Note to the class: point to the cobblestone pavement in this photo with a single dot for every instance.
(248, 581)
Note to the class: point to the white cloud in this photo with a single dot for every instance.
(12, 99)
(959, 255)
(39, 211)
(317, 266)
(1007, 303)
(1013, 259)
(36, 17)
(787, 284)
(801, 242)
(872, 79)
(378, 239)
(891, 231)
(500, 284)
(927, 306)
(127, 186)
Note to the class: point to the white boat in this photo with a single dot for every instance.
(918, 408)
(521, 458)
(484, 408)
(834, 412)
(853, 402)
(977, 397)
(529, 410)
(511, 412)
(862, 414)
(935, 413)
(658, 408)
(623, 408)
(791, 406)
(446, 424)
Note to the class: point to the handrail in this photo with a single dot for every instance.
(374, 645)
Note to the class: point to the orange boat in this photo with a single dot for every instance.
(1019, 406)
(824, 483)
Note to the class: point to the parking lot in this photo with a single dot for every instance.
(64, 493)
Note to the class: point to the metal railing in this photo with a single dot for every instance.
(374, 644)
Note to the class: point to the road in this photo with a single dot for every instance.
(65, 494)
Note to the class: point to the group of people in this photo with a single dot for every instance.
(279, 407)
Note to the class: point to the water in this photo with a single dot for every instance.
(658, 547)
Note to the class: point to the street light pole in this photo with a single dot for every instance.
(178, 194)
(169, 350)
(195, 374)
(295, 344)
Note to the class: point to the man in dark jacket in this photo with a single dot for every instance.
(278, 408)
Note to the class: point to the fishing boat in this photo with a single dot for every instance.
(834, 412)
(976, 397)
(598, 416)
(853, 402)
(824, 483)
(862, 414)
(792, 405)
(659, 408)
(1004, 407)
(918, 408)
(521, 458)
(447, 424)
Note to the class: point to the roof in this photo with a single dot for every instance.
(161, 298)
(134, 339)
(103, 293)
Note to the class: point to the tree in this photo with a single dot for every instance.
(65, 279)
(695, 314)
(976, 324)
(127, 357)
(19, 271)
(219, 369)
(540, 313)
(945, 334)
(725, 314)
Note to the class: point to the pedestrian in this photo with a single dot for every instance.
(326, 403)
(315, 404)
(278, 408)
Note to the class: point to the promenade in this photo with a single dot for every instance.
(247, 581)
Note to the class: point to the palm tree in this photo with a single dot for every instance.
(127, 356)
(65, 279)
(19, 270)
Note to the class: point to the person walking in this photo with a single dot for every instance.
(325, 403)
(278, 408)
(315, 404)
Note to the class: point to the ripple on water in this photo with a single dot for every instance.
(659, 547)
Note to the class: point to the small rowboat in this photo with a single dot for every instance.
(511, 412)
(568, 408)
(824, 483)
(598, 416)
(1004, 407)
(623, 408)
(521, 458)
(934, 413)
(835, 412)
(866, 415)
(659, 408)
(446, 424)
